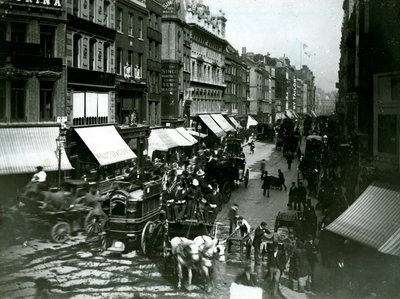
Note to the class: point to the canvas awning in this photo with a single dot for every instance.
(160, 140)
(187, 135)
(235, 122)
(23, 149)
(251, 122)
(197, 134)
(223, 123)
(212, 125)
(177, 137)
(373, 219)
(106, 144)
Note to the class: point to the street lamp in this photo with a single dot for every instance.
(198, 130)
(60, 144)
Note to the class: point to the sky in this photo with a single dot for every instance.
(283, 27)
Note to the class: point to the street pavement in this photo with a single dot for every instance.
(255, 208)
(77, 270)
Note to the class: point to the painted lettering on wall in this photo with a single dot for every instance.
(55, 3)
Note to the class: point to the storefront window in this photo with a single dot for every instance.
(387, 140)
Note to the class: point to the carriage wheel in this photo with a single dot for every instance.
(246, 178)
(227, 190)
(95, 222)
(60, 232)
(146, 235)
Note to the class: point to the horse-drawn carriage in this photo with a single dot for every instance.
(130, 215)
(58, 213)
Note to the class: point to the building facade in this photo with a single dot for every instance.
(32, 59)
(236, 92)
(368, 82)
(175, 54)
(207, 59)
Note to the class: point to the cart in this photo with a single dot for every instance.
(58, 213)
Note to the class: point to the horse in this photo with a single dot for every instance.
(187, 254)
(210, 250)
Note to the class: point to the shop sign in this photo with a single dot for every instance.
(54, 3)
(170, 75)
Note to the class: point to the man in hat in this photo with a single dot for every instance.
(194, 197)
(200, 177)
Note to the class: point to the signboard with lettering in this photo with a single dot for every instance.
(170, 78)
(52, 3)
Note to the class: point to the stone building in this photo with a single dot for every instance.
(207, 58)
(369, 82)
(175, 54)
(32, 91)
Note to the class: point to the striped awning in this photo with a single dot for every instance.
(222, 122)
(160, 140)
(212, 125)
(23, 149)
(106, 144)
(187, 135)
(235, 122)
(373, 219)
(177, 137)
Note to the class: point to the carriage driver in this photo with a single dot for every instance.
(39, 178)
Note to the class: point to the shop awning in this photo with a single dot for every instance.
(235, 122)
(279, 115)
(187, 135)
(251, 122)
(23, 149)
(313, 114)
(197, 134)
(177, 137)
(223, 123)
(212, 125)
(106, 144)
(160, 140)
(289, 114)
(373, 219)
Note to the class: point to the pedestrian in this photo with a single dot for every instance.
(266, 186)
(276, 265)
(263, 167)
(232, 217)
(281, 180)
(310, 221)
(301, 196)
(312, 254)
(252, 147)
(289, 159)
(292, 195)
(298, 153)
(260, 232)
(302, 268)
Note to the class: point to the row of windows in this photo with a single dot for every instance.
(13, 97)
(132, 59)
(17, 33)
(134, 26)
(154, 21)
(98, 56)
(99, 11)
(154, 82)
(205, 72)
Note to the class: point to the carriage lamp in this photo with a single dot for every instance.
(60, 140)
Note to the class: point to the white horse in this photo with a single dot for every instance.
(187, 254)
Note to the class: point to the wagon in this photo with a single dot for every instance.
(286, 219)
(131, 216)
(58, 213)
(274, 181)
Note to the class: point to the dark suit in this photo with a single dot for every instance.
(258, 234)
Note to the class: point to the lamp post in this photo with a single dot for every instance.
(60, 144)
(198, 130)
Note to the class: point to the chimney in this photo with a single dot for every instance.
(243, 50)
